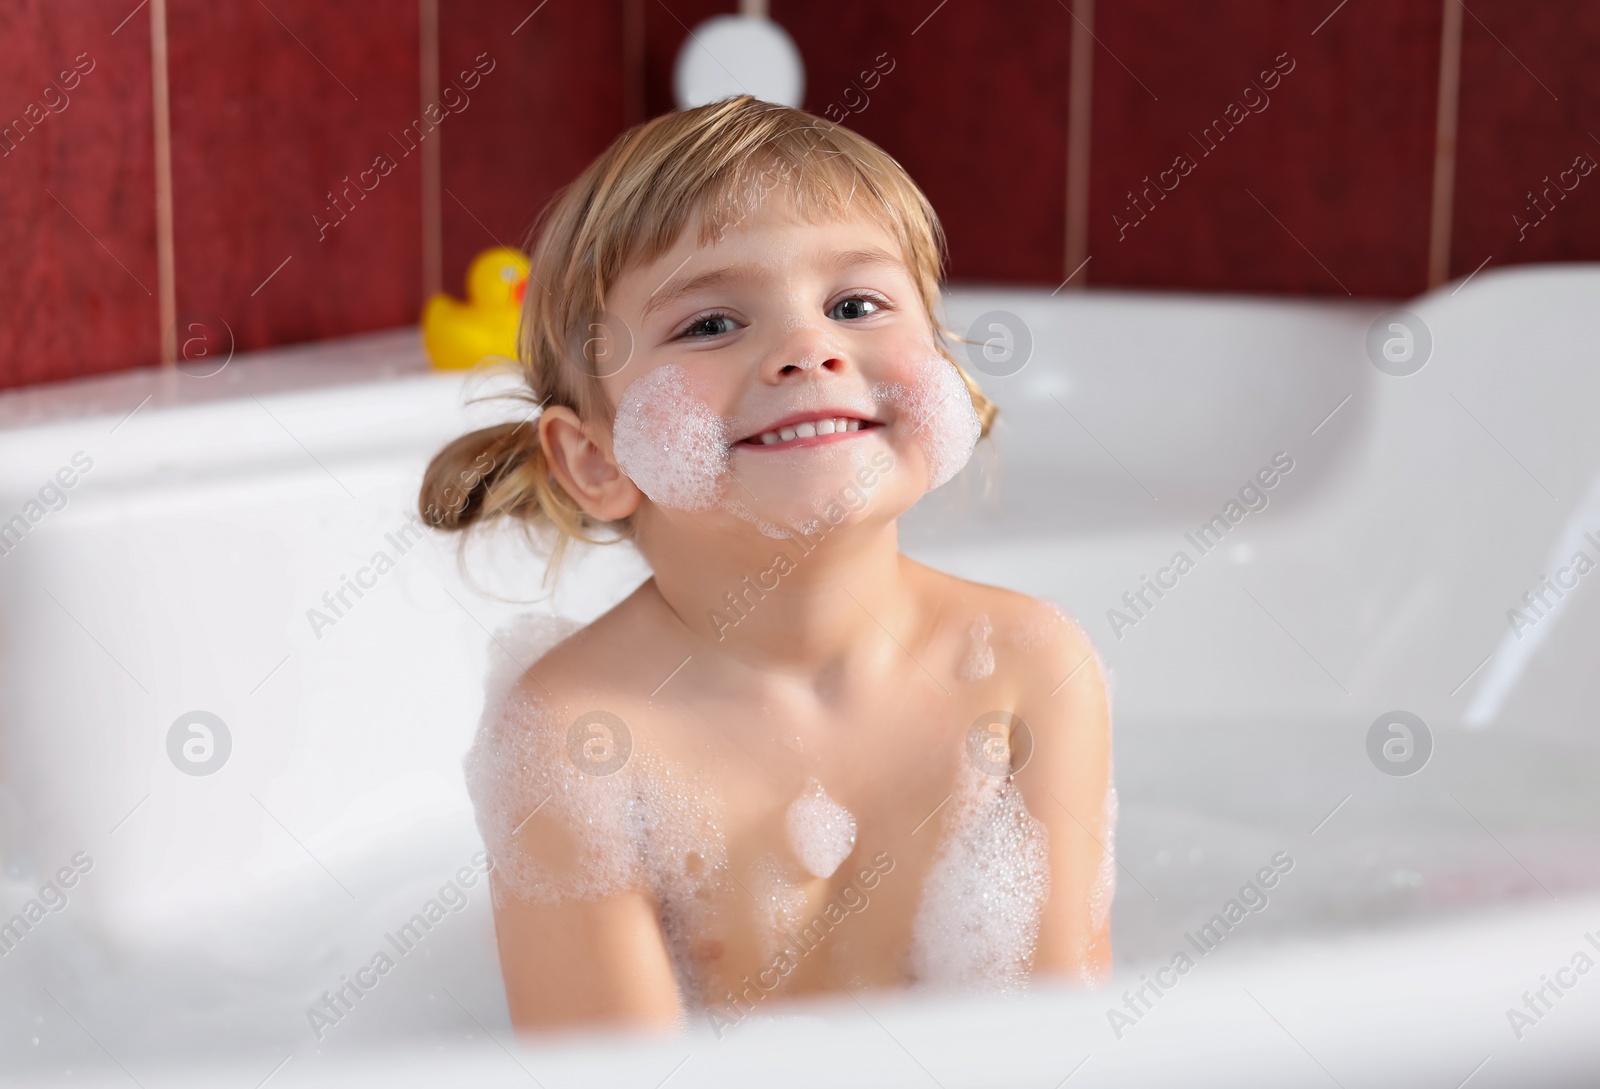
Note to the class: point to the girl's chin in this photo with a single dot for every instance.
(791, 521)
(846, 504)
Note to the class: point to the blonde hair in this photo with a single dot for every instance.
(628, 208)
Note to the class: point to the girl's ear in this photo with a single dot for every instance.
(584, 468)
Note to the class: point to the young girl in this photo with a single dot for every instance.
(793, 761)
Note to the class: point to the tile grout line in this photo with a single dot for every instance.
(1079, 118)
(432, 157)
(166, 276)
(1444, 146)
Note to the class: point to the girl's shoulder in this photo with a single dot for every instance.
(552, 771)
(1006, 636)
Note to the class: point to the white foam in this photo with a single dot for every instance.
(669, 442)
(1037, 627)
(1104, 889)
(944, 421)
(979, 663)
(780, 904)
(822, 833)
(977, 925)
(740, 509)
(648, 826)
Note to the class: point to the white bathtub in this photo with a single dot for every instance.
(178, 575)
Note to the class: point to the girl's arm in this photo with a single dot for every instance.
(1066, 785)
(584, 961)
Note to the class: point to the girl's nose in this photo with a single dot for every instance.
(807, 347)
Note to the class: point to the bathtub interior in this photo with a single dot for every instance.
(179, 574)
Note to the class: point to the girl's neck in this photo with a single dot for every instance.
(796, 606)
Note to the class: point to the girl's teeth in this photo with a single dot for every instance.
(810, 429)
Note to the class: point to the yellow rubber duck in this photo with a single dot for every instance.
(457, 334)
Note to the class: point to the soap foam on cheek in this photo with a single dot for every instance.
(942, 418)
(669, 442)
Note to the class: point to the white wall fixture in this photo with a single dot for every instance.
(735, 55)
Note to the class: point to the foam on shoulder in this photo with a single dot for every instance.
(979, 662)
(648, 825)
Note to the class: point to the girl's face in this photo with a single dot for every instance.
(784, 369)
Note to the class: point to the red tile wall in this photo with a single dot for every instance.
(273, 105)
(77, 192)
(552, 102)
(1326, 189)
(1530, 104)
(974, 107)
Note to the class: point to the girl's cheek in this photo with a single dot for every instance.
(669, 441)
(933, 409)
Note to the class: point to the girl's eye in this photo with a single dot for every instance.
(857, 306)
(707, 325)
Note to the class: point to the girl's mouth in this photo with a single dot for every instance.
(808, 430)
(812, 429)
